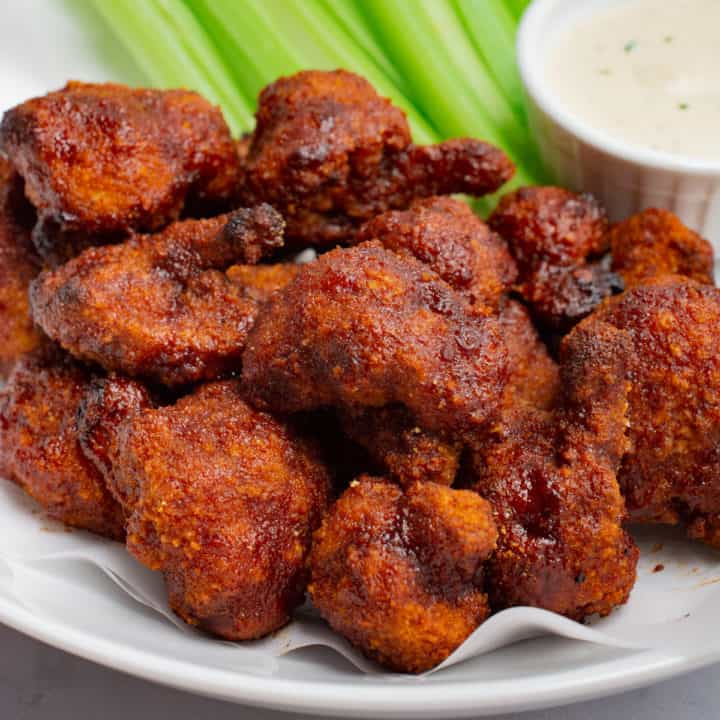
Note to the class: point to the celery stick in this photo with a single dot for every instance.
(174, 51)
(422, 39)
(517, 7)
(471, 67)
(346, 14)
(491, 27)
(432, 79)
(231, 28)
(278, 37)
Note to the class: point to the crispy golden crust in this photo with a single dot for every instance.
(223, 500)
(157, 306)
(409, 453)
(655, 242)
(550, 225)
(330, 153)
(406, 452)
(671, 473)
(39, 445)
(18, 266)
(534, 377)
(106, 158)
(446, 235)
(311, 125)
(400, 573)
(561, 297)
(554, 235)
(242, 147)
(365, 327)
(259, 282)
(551, 479)
(107, 404)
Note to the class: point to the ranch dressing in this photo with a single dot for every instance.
(646, 72)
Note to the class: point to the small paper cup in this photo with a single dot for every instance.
(624, 177)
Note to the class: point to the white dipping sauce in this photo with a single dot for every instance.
(645, 71)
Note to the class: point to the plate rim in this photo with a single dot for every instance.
(465, 698)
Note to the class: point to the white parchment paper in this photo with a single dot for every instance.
(673, 609)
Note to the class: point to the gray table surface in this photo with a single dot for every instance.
(40, 683)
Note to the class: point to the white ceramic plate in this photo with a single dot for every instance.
(41, 46)
(113, 630)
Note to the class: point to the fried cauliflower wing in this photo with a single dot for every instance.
(400, 573)
(330, 153)
(408, 453)
(222, 499)
(671, 472)
(260, 282)
(446, 235)
(108, 404)
(365, 327)
(158, 306)
(654, 243)
(405, 451)
(102, 159)
(556, 238)
(534, 377)
(551, 480)
(40, 448)
(19, 264)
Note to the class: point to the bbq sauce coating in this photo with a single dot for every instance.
(19, 264)
(555, 237)
(670, 472)
(40, 448)
(365, 327)
(654, 243)
(329, 153)
(447, 236)
(399, 573)
(222, 499)
(99, 159)
(534, 377)
(405, 451)
(551, 480)
(159, 306)
(107, 404)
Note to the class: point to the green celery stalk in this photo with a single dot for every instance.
(427, 43)
(346, 14)
(277, 37)
(173, 50)
(424, 63)
(517, 7)
(471, 67)
(491, 27)
(249, 65)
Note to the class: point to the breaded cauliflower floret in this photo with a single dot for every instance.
(400, 573)
(99, 160)
(222, 499)
(40, 443)
(329, 153)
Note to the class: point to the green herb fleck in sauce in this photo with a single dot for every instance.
(630, 46)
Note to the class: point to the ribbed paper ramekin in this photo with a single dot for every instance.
(623, 177)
